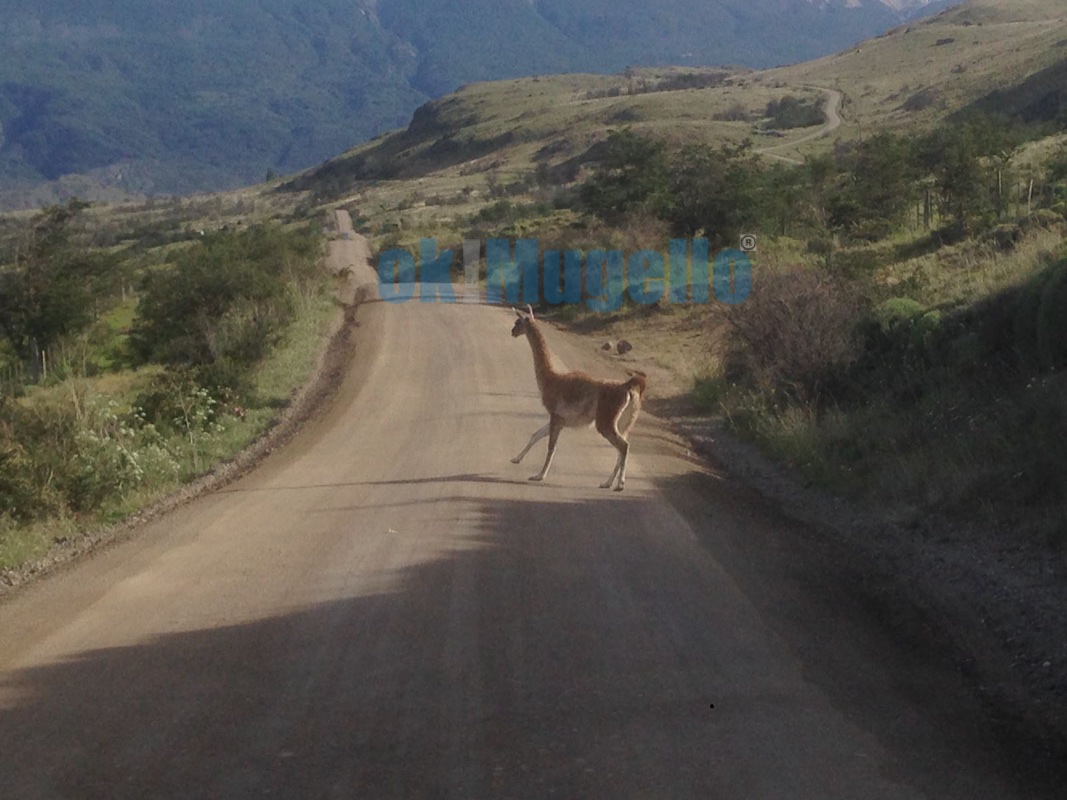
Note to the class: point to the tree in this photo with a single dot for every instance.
(794, 112)
(225, 299)
(786, 197)
(715, 191)
(956, 156)
(885, 172)
(631, 176)
(49, 292)
(878, 189)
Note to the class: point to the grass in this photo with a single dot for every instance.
(290, 365)
(20, 544)
(962, 274)
(994, 43)
(273, 383)
(957, 447)
(942, 427)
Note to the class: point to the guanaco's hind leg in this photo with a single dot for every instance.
(609, 429)
(555, 425)
(540, 434)
(619, 472)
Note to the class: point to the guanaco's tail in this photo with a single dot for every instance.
(637, 381)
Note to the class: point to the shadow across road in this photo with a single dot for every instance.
(568, 649)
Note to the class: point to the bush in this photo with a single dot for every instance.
(632, 175)
(794, 112)
(920, 101)
(900, 330)
(23, 496)
(1006, 236)
(1043, 219)
(735, 113)
(793, 336)
(104, 463)
(872, 229)
(74, 455)
(176, 402)
(228, 297)
(1051, 327)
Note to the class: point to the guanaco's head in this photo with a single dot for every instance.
(524, 321)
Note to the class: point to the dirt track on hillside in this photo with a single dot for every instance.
(388, 608)
(832, 112)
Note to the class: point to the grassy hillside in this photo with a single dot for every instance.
(919, 72)
(122, 98)
(989, 55)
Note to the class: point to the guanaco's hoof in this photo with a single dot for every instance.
(516, 460)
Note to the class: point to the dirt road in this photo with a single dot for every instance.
(387, 608)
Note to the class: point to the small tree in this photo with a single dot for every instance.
(876, 188)
(49, 292)
(715, 191)
(794, 112)
(631, 176)
(786, 193)
(226, 299)
(958, 158)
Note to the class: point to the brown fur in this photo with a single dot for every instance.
(575, 399)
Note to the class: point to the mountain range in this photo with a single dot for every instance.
(152, 97)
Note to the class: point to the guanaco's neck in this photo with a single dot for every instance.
(543, 367)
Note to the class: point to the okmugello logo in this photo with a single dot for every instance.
(520, 273)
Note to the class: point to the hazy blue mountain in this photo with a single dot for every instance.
(169, 96)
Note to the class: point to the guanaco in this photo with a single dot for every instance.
(575, 399)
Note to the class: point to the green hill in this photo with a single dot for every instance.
(987, 55)
(107, 99)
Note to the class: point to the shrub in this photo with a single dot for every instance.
(900, 330)
(735, 113)
(1043, 219)
(920, 101)
(74, 455)
(23, 496)
(1006, 236)
(631, 175)
(1051, 323)
(228, 298)
(175, 402)
(794, 112)
(793, 336)
(104, 463)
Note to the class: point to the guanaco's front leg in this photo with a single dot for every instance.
(538, 436)
(555, 425)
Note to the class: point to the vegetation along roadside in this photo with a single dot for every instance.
(131, 367)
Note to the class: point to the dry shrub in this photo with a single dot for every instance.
(794, 335)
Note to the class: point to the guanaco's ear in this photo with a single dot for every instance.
(529, 310)
(518, 312)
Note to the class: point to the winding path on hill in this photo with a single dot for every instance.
(387, 608)
(832, 112)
